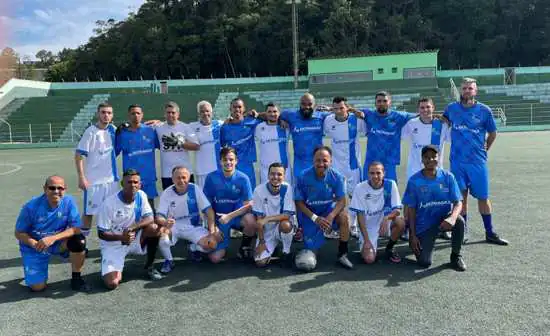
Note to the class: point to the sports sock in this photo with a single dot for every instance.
(466, 229)
(165, 248)
(152, 245)
(342, 248)
(85, 231)
(390, 245)
(245, 242)
(286, 238)
(488, 223)
(76, 276)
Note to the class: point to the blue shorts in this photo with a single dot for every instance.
(248, 169)
(314, 237)
(472, 176)
(149, 188)
(390, 171)
(225, 229)
(35, 264)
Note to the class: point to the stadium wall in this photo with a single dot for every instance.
(19, 88)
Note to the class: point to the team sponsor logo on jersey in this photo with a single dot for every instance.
(381, 132)
(466, 128)
(306, 129)
(424, 205)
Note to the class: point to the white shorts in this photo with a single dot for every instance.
(96, 194)
(373, 235)
(114, 253)
(188, 232)
(272, 237)
(264, 172)
(353, 178)
(200, 180)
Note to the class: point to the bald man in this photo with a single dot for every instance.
(50, 225)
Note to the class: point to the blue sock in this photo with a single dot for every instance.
(488, 223)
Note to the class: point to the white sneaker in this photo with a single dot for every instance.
(344, 261)
(236, 234)
(332, 235)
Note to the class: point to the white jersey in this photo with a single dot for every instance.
(273, 143)
(375, 203)
(419, 134)
(184, 208)
(346, 151)
(115, 215)
(264, 203)
(98, 146)
(172, 153)
(209, 139)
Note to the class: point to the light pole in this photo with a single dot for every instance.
(294, 38)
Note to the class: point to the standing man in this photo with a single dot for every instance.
(50, 225)
(207, 132)
(96, 151)
(238, 133)
(175, 141)
(125, 226)
(137, 142)
(473, 131)
(320, 195)
(273, 143)
(434, 203)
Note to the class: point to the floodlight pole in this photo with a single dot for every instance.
(294, 39)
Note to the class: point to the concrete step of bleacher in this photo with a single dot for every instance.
(82, 119)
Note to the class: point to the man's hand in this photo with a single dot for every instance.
(224, 218)
(44, 243)
(358, 114)
(128, 237)
(414, 243)
(323, 108)
(253, 113)
(261, 221)
(261, 248)
(447, 224)
(83, 183)
(383, 230)
(169, 223)
(367, 247)
(154, 122)
(283, 124)
(323, 223)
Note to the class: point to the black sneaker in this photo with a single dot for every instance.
(457, 263)
(245, 253)
(80, 285)
(494, 238)
(392, 256)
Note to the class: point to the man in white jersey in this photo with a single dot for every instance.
(175, 139)
(207, 132)
(95, 162)
(344, 129)
(273, 143)
(273, 205)
(378, 204)
(179, 215)
(125, 226)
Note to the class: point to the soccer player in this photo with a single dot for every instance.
(378, 207)
(383, 128)
(96, 152)
(228, 191)
(50, 225)
(179, 215)
(176, 140)
(125, 226)
(273, 143)
(434, 203)
(273, 205)
(238, 133)
(208, 134)
(137, 142)
(473, 132)
(320, 195)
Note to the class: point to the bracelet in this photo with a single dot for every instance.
(314, 218)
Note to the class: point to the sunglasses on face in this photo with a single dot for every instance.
(54, 188)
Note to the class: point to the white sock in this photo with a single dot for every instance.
(165, 247)
(352, 219)
(286, 238)
(196, 247)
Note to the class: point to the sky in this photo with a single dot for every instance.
(31, 25)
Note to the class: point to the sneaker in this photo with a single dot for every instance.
(344, 261)
(354, 232)
(245, 253)
(236, 234)
(332, 234)
(299, 235)
(393, 256)
(494, 238)
(80, 285)
(154, 274)
(457, 263)
(445, 235)
(167, 266)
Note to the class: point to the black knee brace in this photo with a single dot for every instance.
(76, 243)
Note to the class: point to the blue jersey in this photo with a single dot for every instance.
(384, 135)
(227, 194)
(38, 220)
(241, 137)
(432, 198)
(319, 194)
(138, 151)
(307, 133)
(469, 127)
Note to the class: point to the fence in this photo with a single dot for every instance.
(36, 133)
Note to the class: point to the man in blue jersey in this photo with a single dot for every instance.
(238, 133)
(229, 192)
(383, 128)
(50, 225)
(473, 132)
(320, 196)
(434, 203)
(137, 142)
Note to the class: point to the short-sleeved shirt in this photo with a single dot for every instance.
(240, 136)
(115, 215)
(307, 133)
(433, 198)
(227, 194)
(469, 128)
(319, 194)
(171, 139)
(184, 208)
(39, 220)
(273, 144)
(138, 151)
(374, 204)
(384, 135)
(265, 204)
(98, 146)
(208, 155)
(346, 151)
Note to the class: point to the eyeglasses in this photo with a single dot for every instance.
(54, 188)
